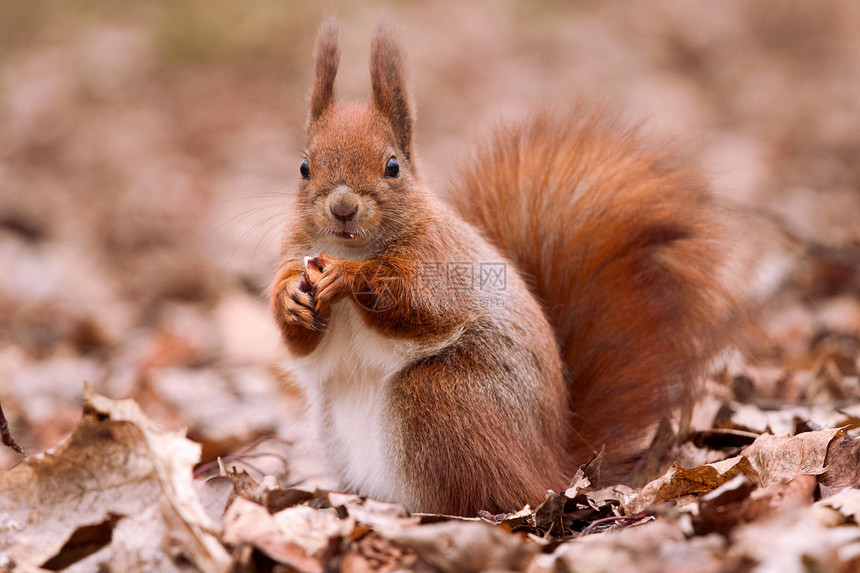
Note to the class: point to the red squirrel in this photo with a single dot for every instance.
(469, 354)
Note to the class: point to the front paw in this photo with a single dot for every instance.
(296, 306)
(332, 280)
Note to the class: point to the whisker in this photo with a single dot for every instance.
(254, 228)
(277, 226)
(239, 218)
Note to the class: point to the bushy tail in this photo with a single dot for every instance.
(629, 257)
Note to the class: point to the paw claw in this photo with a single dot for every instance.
(304, 284)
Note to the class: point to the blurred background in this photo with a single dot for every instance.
(148, 151)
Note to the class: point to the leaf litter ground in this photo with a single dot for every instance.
(140, 202)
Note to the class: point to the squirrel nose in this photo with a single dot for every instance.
(344, 210)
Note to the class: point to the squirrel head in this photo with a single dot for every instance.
(358, 175)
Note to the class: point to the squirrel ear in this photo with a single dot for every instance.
(388, 79)
(326, 59)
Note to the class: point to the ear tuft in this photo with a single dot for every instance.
(388, 79)
(326, 59)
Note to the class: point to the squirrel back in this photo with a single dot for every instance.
(630, 258)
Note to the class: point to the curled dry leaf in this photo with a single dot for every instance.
(679, 481)
(273, 498)
(589, 471)
(841, 466)
(578, 483)
(119, 480)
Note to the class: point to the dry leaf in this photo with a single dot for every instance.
(463, 546)
(794, 541)
(590, 471)
(846, 503)
(841, 466)
(679, 481)
(297, 536)
(547, 515)
(577, 483)
(273, 498)
(738, 501)
(214, 494)
(118, 479)
(653, 547)
(782, 458)
(385, 518)
(374, 553)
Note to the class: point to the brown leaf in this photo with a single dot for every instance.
(738, 501)
(273, 499)
(657, 546)
(84, 542)
(723, 438)
(514, 521)
(464, 546)
(297, 536)
(374, 553)
(841, 465)
(736, 489)
(653, 459)
(548, 514)
(679, 481)
(116, 463)
(578, 483)
(590, 470)
(782, 458)
(619, 494)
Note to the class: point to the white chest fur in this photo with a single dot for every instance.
(347, 377)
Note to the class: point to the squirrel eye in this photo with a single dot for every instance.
(392, 168)
(305, 170)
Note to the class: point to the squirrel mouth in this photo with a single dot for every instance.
(345, 235)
